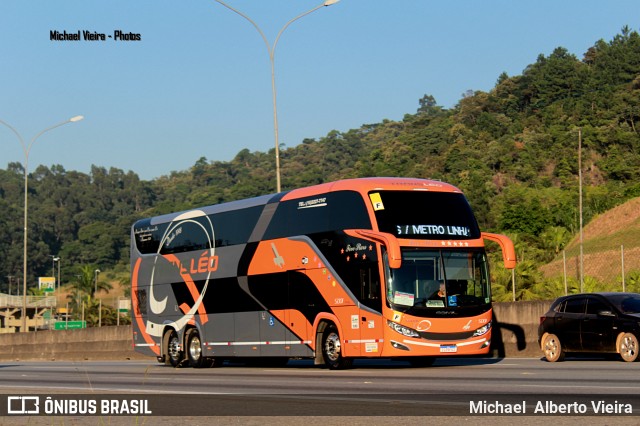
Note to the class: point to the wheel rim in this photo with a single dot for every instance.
(332, 347)
(195, 350)
(174, 347)
(551, 348)
(628, 348)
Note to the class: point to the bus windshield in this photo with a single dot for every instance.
(436, 279)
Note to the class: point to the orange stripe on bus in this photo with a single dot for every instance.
(134, 300)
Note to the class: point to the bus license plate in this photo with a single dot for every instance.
(448, 348)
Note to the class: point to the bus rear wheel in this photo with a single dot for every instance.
(172, 348)
(194, 349)
(332, 349)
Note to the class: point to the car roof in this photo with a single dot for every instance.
(605, 294)
(600, 293)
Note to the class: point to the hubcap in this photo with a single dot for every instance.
(628, 347)
(551, 348)
(174, 347)
(194, 348)
(332, 347)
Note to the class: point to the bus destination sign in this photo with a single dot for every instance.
(423, 230)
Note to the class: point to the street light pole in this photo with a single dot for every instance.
(55, 259)
(272, 51)
(53, 266)
(26, 149)
(59, 283)
(580, 208)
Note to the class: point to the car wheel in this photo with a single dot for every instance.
(628, 347)
(552, 348)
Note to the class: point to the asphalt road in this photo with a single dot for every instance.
(370, 393)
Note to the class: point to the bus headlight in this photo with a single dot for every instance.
(405, 331)
(482, 330)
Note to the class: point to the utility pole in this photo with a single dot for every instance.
(580, 209)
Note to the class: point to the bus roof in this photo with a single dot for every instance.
(362, 185)
(365, 185)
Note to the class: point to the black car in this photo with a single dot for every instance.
(591, 322)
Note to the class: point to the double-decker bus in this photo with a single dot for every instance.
(358, 268)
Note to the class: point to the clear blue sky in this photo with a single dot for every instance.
(198, 82)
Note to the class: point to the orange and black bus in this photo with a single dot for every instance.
(373, 267)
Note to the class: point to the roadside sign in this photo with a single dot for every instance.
(124, 305)
(47, 283)
(70, 325)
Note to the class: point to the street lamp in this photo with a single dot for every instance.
(26, 149)
(272, 51)
(54, 259)
(59, 283)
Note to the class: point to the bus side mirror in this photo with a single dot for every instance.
(388, 240)
(508, 251)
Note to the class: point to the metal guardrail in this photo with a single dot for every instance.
(9, 301)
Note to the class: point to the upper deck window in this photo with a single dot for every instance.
(226, 229)
(332, 211)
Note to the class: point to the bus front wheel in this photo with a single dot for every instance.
(332, 349)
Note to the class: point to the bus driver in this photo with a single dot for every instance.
(441, 293)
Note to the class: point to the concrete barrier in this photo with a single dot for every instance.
(515, 328)
(515, 334)
(99, 343)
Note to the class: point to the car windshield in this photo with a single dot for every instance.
(628, 304)
(435, 279)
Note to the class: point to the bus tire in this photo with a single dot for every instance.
(172, 348)
(194, 349)
(332, 349)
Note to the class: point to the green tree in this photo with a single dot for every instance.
(555, 239)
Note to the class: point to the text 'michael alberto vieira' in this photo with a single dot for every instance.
(85, 35)
(549, 407)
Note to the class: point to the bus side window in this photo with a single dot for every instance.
(370, 289)
(141, 306)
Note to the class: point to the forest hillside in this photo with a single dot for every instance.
(513, 150)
